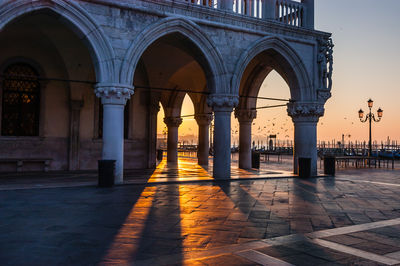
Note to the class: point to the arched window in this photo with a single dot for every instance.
(21, 99)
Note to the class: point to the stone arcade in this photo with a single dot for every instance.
(75, 77)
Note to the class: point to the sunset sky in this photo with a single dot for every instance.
(366, 34)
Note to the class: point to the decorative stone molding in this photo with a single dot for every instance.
(307, 112)
(185, 27)
(325, 63)
(154, 108)
(283, 48)
(323, 95)
(203, 119)
(173, 121)
(113, 93)
(73, 14)
(222, 102)
(245, 115)
(154, 105)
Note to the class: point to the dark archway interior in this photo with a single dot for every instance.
(49, 44)
(175, 62)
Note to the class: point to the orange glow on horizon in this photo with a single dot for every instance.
(341, 117)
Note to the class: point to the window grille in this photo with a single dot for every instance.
(21, 101)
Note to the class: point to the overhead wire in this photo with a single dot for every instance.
(169, 89)
(256, 108)
(19, 77)
(208, 93)
(30, 78)
(269, 106)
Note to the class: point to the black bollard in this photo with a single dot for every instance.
(304, 167)
(106, 173)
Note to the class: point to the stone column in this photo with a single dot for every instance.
(222, 106)
(154, 108)
(203, 149)
(245, 117)
(226, 4)
(75, 114)
(113, 98)
(268, 9)
(309, 14)
(305, 117)
(173, 124)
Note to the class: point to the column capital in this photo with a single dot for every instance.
(203, 119)
(222, 102)
(154, 105)
(245, 115)
(113, 93)
(154, 108)
(76, 104)
(305, 111)
(173, 121)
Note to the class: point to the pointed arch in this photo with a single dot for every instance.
(78, 20)
(300, 85)
(217, 76)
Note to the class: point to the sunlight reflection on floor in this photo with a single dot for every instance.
(183, 170)
(187, 169)
(126, 243)
(194, 218)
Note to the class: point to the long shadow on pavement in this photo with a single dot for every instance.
(75, 226)
(161, 234)
(283, 217)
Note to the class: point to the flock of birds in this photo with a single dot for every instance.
(273, 127)
(262, 129)
(270, 127)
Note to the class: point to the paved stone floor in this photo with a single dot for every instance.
(258, 219)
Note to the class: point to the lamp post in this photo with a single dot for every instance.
(211, 150)
(165, 133)
(370, 117)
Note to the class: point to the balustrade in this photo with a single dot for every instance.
(206, 3)
(290, 12)
(285, 11)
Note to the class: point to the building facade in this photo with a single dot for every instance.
(83, 80)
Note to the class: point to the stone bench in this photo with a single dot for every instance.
(20, 162)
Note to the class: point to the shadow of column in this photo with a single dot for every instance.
(162, 231)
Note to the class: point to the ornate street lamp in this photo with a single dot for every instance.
(370, 117)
